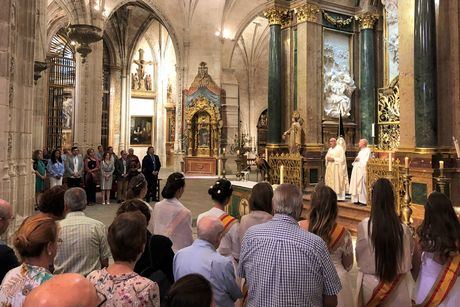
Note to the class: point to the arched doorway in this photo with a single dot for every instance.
(61, 88)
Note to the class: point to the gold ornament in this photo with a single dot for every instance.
(277, 16)
(307, 12)
(339, 22)
(367, 20)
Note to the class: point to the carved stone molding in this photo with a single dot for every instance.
(367, 20)
(308, 12)
(277, 16)
(38, 68)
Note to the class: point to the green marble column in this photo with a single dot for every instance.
(425, 87)
(367, 75)
(274, 86)
(276, 16)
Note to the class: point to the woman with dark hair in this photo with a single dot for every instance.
(323, 223)
(384, 249)
(170, 217)
(55, 168)
(118, 284)
(156, 262)
(40, 173)
(190, 290)
(439, 252)
(36, 244)
(52, 203)
(91, 172)
(220, 193)
(260, 207)
(137, 189)
(107, 168)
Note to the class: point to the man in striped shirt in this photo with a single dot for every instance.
(83, 247)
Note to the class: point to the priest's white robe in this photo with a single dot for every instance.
(358, 180)
(336, 172)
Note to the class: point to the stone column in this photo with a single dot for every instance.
(425, 87)
(275, 16)
(115, 108)
(17, 25)
(124, 125)
(367, 74)
(309, 72)
(89, 99)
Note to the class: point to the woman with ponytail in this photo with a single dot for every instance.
(137, 189)
(384, 249)
(171, 218)
(36, 244)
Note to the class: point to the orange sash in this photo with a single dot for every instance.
(382, 291)
(337, 234)
(228, 221)
(444, 283)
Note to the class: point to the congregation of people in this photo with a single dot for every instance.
(271, 257)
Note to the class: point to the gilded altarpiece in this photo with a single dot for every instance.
(202, 124)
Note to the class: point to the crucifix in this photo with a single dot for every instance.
(140, 69)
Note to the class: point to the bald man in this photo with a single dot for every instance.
(202, 258)
(8, 259)
(65, 290)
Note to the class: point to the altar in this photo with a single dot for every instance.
(203, 124)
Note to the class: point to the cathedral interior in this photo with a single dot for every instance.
(211, 82)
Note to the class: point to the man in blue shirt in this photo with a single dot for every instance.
(202, 258)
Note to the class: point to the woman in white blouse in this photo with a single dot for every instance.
(170, 217)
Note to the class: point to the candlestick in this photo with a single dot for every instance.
(441, 164)
(390, 162)
(373, 130)
(219, 168)
(406, 162)
(281, 174)
(266, 154)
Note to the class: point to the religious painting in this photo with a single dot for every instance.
(203, 130)
(141, 130)
(338, 83)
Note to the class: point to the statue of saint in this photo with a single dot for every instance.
(294, 133)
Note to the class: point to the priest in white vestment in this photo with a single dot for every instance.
(336, 169)
(358, 180)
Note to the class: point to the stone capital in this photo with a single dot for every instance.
(277, 16)
(308, 12)
(367, 20)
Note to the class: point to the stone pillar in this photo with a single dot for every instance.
(426, 120)
(17, 25)
(275, 16)
(406, 74)
(367, 74)
(88, 104)
(115, 108)
(309, 72)
(124, 125)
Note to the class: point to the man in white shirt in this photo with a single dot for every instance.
(359, 174)
(74, 168)
(336, 169)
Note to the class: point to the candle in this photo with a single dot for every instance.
(390, 162)
(223, 150)
(373, 130)
(441, 164)
(406, 162)
(238, 152)
(281, 174)
(219, 168)
(266, 154)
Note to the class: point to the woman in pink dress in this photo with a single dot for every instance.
(438, 249)
(384, 249)
(323, 222)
